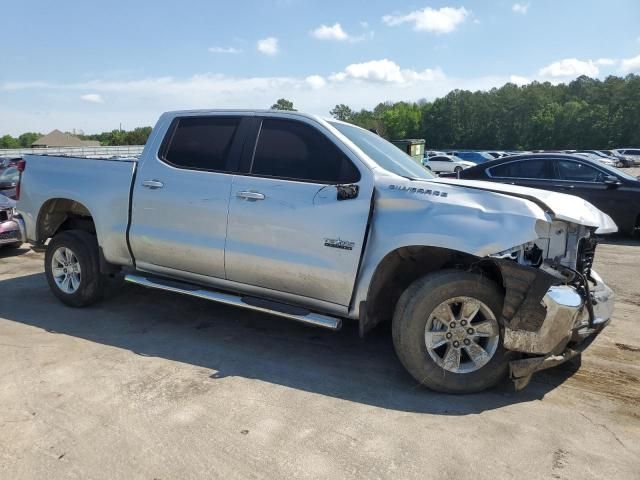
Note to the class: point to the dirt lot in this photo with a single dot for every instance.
(155, 386)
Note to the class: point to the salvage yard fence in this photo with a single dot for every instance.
(99, 152)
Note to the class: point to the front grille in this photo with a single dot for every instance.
(4, 215)
(586, 254)
(12, 235)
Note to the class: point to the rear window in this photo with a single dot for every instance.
(202, 143)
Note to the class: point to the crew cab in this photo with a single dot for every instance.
(321, 221)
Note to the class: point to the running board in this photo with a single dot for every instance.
(251, 303)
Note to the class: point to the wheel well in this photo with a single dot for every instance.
(402, 267)
(60, 214)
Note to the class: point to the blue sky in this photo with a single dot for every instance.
(92, 65)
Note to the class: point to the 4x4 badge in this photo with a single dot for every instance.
(337, 243)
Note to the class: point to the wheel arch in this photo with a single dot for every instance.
(58, 214)
(402, 266)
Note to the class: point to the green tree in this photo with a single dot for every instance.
(342, 112)
(283, 104)
(9, 142)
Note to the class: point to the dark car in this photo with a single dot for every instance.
(611, 190)
(9, 181)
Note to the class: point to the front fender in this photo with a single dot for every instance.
(422, 213)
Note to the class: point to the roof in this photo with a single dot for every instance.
(57, 138)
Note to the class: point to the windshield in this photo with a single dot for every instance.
(385, 154)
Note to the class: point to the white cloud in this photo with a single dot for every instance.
(443, 20)
(268, 46)
(384, 71)
(224, 50)
(518, 80)
(570, 67)
(606, 62)
(315, 81)
(520, 8)
(92, 98)
(629, 65)
(335, 32)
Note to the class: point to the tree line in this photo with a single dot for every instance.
(585, 113)
(137, 136)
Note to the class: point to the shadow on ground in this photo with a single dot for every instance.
(231, 342)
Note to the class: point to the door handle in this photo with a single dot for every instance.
(250, 195)
(152, 184)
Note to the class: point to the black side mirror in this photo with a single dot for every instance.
(611, 181)
(347, 192)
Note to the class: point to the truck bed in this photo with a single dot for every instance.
(101, 185)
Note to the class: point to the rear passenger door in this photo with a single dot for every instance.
(288, 232)
(181, 197)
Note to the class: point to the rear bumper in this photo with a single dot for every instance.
(565, 332)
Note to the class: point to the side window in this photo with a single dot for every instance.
(202, 143)
(441, 159)
(293, 150)
(523, 169)
(578, 172)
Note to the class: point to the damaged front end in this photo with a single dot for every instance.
(555, 304)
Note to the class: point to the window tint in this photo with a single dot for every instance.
(440, 159)
(202, 143)
(521, 169)
(290, 149)
(633, 152)
(578, 172)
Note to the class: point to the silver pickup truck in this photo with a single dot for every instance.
(320, 221)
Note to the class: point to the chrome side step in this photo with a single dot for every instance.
(272, 308)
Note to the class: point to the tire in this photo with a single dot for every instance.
(414, 313)
(457, 170)
(89, 284)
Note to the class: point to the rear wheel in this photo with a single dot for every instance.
(457, 170)
(72, 268)
(446, 332)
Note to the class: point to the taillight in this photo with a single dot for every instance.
(20, 165)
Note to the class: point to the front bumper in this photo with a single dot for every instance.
(10, 232)
(564, 333)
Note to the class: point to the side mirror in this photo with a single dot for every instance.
(611, 181)
(347, 192)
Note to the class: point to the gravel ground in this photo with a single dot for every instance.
(156, 386)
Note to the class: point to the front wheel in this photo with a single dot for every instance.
(446, 332)
(457, 171)
(72, 268)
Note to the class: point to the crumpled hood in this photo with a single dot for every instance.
(560, 205)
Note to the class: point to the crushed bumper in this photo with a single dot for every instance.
(565, 331)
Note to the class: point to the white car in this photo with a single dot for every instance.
(596, 158)
(447, 163)
(631, 154)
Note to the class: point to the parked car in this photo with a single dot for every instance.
(318, 221)
(610, 160)
(631, 154)
(446, 163)
(610, 189)
(9, 181)
(10, 235)
(433, 153)
(497, 154)
(7, 161)
(624, 161)
(475, 157)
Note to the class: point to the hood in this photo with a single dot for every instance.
(560, 205)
